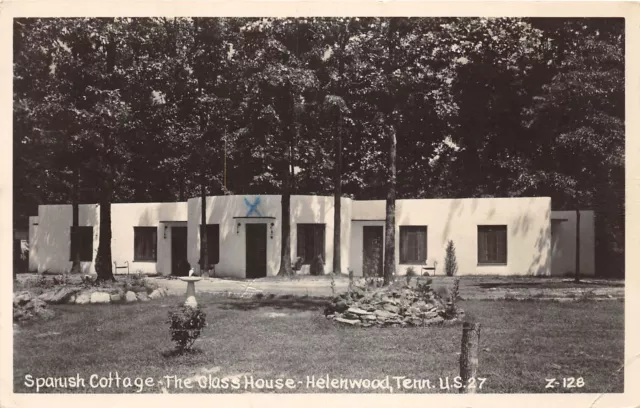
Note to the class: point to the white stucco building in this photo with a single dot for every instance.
(492, 236)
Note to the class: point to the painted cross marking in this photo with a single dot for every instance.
(253, 208)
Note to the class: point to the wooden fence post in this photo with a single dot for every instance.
(469, 356)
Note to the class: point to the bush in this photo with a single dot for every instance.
(186, 324)
(450, 262)
(411, 271)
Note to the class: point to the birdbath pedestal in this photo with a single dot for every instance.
(191, 290)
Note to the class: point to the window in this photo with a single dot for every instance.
(83, 240)
(145, 244)
(492, 244)
(213, 243)
(310, 242)
(413, 244)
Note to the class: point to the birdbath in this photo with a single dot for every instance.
(191, 289)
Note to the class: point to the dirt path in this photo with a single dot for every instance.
(477, 288)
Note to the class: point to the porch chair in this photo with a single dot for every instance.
(427, 268)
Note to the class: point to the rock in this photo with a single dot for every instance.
(429, 315)
(368, 317)
(357, 311)
(156, 294)
(35, 303)
(22, 298)
(100, 297)
(63, 295)
(142, 296)
(348, 321)
(83, 298)
(434, 320)
(116, 297)
(46, 296)
(340, 306)
(387, 299)
(384, 314)
(130, 297)
(391, 308)
(413, 310)
(44, 313)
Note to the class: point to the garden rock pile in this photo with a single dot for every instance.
(32, 302)
(28, 307)
(397, 305)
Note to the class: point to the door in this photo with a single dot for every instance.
(256, 236)
(179, 264)
(372, 241)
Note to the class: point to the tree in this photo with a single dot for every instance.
(450, 262)
(278, 88)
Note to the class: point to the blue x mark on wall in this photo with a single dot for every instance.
(253, 207)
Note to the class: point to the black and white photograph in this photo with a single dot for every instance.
(319, 205)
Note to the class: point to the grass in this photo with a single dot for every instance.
(522, 343)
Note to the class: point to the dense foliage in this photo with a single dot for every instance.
(161, 109)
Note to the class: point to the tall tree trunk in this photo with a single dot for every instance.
(204, 254)
(337, 267)
(285, 261)
(390, 216)
(103, 259)
(577, 277)
(337, 206)
(75, 256)
(285, 241)
(390, 219)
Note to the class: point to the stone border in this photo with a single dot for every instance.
(79, 296)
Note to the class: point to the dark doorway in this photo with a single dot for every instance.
(179, 263)
(372, 239)
(256, 250)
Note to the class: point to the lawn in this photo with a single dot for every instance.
(522, 343)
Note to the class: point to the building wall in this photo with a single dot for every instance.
(50, 239)
(563, 243)
(527, 221)
(304, 209)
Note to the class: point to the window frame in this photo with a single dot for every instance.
(154, 231)
(493, 229)
(81, 228)
(311, 226)
(217, 251)
(418, 260)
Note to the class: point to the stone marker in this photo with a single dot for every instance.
(130, 297)
(100, 297)
(83, 298)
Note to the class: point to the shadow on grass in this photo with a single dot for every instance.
(544, 285)
(175, 352)
(280, 302)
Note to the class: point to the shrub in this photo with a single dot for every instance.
(443, 292)
(424, 290)
(411, 271)
(450, 262)
(186, 324)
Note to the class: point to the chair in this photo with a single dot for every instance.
(427, 268)
(123, 266)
